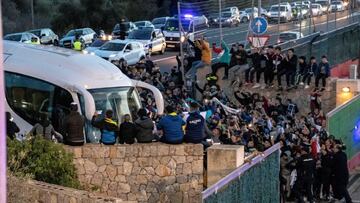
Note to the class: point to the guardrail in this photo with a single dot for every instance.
(214, 193)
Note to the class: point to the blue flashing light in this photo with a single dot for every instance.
(356, 132)
(188, 16)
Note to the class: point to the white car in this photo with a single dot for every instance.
(289, 36)
(316, 10)
(324, 5)
(87, 36)
(336, 6)
(152, 39)
(24, 37)
(121, 52)
(283, 9)
(145, 23)
(244, 17)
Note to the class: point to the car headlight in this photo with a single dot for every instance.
(215, 20)
(92, 53)
(228, 20)
(112, 55)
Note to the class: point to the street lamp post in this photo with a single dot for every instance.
(220, 23)
(180, 42)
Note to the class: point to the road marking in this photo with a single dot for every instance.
(163, 59)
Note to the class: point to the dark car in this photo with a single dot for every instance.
(121, 30)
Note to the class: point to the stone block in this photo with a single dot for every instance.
(187, 169)
(197, 167)
(179, 159)
(163, 150)
(97, 179)
(113, 152)
(141, 179)
(111, 171)
(123, 188)
(120, 178)
(162, 171)
(77, 151)
(181, 179)
(231, 156)
(180, 150)
(144, 162)
(165, 160)
(127, 168)
(86, 152)
(90, 167)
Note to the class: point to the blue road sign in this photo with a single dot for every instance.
(259, 25)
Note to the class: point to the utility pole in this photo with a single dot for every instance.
(311, 18)
(220, 23)
(181, 43)
(259, 8)
(278, 25)
(32, 13)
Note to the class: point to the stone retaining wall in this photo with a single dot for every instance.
(30, 191)
(153, 172)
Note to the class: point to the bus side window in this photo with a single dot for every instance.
(30, 98)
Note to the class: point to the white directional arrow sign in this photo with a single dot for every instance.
(258, 25)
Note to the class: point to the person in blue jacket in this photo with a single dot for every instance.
(171, 125)
(195, 125)
(322, 72)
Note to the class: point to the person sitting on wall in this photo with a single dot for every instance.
(171, 126)
(108, 127)
(127, 131)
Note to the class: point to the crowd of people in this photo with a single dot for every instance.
(312, 161)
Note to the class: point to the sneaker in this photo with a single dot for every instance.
(257, 85)
(307, 87)
(301, 83)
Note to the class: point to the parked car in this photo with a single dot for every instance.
(144, 24)
(304, 11)
(244, 17)
(153, 40)
(283, 9)
(200, 21)
(336, 6)
(87, 36)
(121, 52)
(324, 5)
(124, 27)
(252, 12)
(97, 44)
(24, 37)
(46, 35)
(171, 31)
(316, 10)
(306, 3)
(159, 23)
(228, 19)
(234, 10)
(288, 36)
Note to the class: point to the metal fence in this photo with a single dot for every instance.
(256, 182)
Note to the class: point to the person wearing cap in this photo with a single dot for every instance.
(144, 127)
(340, 173)
(171, 126)
(195, 125)
(74, 127)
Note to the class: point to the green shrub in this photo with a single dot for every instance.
(42, 160)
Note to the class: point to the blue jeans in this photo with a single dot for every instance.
(193, 70)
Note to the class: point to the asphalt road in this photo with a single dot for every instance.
(231, 35)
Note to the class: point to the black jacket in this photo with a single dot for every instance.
(197, 51)
(303, 68)
(291, 64)
(74, 127)
(340, 170)
(144, 130)
(305, 167)
(127, 133)
(256, 59)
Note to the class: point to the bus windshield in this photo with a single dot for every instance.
(121, 100)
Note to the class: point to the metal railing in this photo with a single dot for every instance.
(231, 188)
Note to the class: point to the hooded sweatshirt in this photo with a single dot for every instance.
(225, 58)
(195, 128)
(144, 129)
(172, 127)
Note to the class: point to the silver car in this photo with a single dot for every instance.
(24, 37)
(87, 36)
(46, 35)
(152, 39)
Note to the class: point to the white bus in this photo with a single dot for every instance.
(45, 80)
